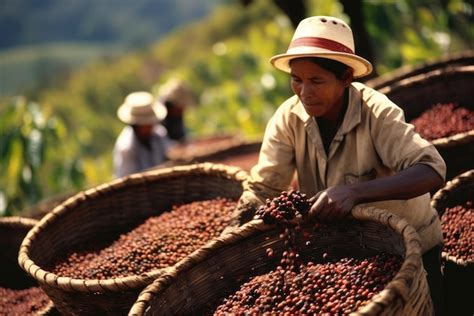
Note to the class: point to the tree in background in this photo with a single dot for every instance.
(29, 137)
(295, 10)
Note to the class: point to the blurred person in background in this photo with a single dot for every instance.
(347, 143)
(143, 143)
(176, 96)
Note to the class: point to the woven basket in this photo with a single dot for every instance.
(109, 210)
(458, 273)
(12, 232)
(458, 59)
(217, 270)
(417, 94)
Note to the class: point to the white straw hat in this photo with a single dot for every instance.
(324, 37)
(141, 108)
(178, 92)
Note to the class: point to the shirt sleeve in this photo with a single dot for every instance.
(397, 143)
(124, 161)
(275, 168)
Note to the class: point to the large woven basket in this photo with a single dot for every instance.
(464, 58)
(12, 232)
(109, 210)
(417, 94)
(217, 270)
(458, 273)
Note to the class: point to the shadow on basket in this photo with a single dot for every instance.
(199, 284)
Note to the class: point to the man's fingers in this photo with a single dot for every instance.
(319, 204)
(314, 197)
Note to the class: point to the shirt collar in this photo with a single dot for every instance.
(351, 119)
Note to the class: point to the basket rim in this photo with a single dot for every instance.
(112, 284)
(430, 75)
(454, 140)
(437, 201)
(399, 287)
(18, 221)
(407, 71)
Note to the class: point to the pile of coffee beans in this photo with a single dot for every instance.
(284, 207)
(457, 225)
(161, 241)
(443, 120)
(336, 287)
(22, 302)
(298, 286)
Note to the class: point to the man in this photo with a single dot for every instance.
(348, 143)
(143, 143)
(176, 96)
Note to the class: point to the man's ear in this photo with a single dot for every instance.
(347, 77)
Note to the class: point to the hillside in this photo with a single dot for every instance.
(224, 57)
(45, 40)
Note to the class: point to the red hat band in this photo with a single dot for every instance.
(321, 43)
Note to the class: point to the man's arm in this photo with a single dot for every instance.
(338, 201)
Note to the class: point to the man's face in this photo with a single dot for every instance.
(320, 91)
(143, 132)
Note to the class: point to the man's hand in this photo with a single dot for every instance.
(332, 203)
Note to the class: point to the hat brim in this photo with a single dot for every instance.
(361, 66)
(124, 113)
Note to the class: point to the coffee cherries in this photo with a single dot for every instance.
(442, 120)
(457, 226)
(161, 241)
(284, 207)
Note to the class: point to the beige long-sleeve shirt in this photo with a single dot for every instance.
(373, 141)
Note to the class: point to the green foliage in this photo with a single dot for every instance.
(413, 31)
(225, 60)
(35, 158)
(131, 23)
(42, 39)
(28, 69)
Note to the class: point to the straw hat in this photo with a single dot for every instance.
(141, 108)
(325, 37)
(176, 91)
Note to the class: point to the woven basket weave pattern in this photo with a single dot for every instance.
(218, 269)
(109, 210)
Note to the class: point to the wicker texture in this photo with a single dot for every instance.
(458, 59)
(417, 94)
(218, 269)
(109, 210)
(458, 273)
